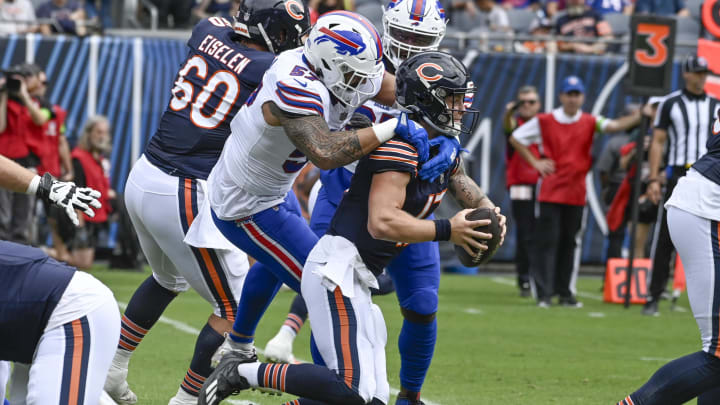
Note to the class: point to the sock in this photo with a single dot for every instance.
(144, 309)
(306, 380)
(258, 292)
(679, 381)
(416, 344)
(250, 372)
(207, 342)
(296, 317)
(406, 397)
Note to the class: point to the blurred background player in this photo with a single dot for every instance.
(521, 179)
(384, 208)
(409, 28)
(166, 188)
(304, 95)
(693, 220)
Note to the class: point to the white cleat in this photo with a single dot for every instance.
(279, 348)
(117, 387)
(228, 346)
(183, 398)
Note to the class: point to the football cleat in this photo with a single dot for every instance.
(570, 302)
(224, 380)
(228, 346)
(279, 348)
(183, 398)
(117, 387)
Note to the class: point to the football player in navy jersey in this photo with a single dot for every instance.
(57, 324)
(166, 188)
(693, 215)
(410, 27)
(381, 213)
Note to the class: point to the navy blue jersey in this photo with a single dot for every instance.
(211, 86)
(709, 164)
(421, 199)
(32, 285)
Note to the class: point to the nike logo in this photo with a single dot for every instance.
(301, 83)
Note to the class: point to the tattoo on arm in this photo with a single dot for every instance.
(466, 192)
(312, 137)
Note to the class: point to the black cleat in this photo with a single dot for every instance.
(651, 308)
(225, 380)
(571, 302)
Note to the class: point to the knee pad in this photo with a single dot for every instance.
(415, 317)
(423, 302)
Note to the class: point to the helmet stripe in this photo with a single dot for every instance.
(418, 8)
(364, 22)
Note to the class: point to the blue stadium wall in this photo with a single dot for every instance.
(497, 77)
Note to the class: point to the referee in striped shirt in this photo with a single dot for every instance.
(683, 122)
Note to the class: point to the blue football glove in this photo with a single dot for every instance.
(412, 133)
(449, 147)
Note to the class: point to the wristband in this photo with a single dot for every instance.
(385, 131)
(443, 229)
(33, 186)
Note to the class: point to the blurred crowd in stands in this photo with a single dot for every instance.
(592, 22)
(32, 133)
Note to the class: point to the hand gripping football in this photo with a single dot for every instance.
(481, 256)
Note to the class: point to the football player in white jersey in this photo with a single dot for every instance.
(410, 27)
(286, 122)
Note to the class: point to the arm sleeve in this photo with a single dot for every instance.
(393, 155)
(79, 174)
(529, 132)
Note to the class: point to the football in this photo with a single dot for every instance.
(481, 257)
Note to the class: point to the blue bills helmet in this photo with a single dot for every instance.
(435, 87)
(277, 24)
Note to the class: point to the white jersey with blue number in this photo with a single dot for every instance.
(259, 163)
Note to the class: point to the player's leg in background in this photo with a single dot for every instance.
(72, 360)
(544, 256)
(571, 225)
(416, 274)
(523, 212)
(279, 348)
(280, 240)
(17, 390)
(4, 377)
(689, 376)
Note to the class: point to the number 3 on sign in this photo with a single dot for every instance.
(656, 36)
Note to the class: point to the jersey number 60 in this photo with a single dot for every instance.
(184, 90)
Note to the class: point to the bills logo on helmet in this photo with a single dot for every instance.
(297, 12)
(424, 74)
(347, 43)
(470, 96)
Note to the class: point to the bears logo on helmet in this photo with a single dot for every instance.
(295, 9)
(421, 72)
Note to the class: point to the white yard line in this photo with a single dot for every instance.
(655, 359)
(183, 327)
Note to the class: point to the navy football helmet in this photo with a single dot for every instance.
(277, 24)
(436, 88)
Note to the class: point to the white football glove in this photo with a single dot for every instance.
(68, 196)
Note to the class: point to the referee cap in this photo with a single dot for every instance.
(695, 64)
(572, 83)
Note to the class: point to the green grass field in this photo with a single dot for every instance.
(493, 346)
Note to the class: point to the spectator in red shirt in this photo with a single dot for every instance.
(565, 137)
(91, 169)
(521, 179)
(581, 21)
(19, 115)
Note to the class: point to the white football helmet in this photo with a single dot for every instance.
(411, 27)
(345, 52)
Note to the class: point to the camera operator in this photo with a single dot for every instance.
(20, 115)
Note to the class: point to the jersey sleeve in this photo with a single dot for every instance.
(300, 97)
(662, 118)
(394, 155)
(529, 132)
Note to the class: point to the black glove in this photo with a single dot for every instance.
(68, 196)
